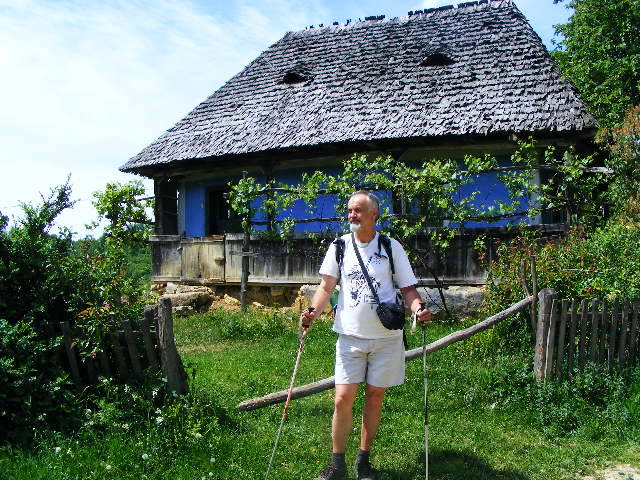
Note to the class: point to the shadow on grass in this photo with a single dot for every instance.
(453, 465)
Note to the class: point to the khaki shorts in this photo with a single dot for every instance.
(379, 362)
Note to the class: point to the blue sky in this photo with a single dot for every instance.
(87, 84)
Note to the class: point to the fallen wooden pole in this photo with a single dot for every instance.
(329, 383)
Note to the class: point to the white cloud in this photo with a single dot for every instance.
(86, 85)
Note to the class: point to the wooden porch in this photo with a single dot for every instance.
(217, 260)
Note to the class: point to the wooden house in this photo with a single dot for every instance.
(448, 81)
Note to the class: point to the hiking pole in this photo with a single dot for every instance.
(305, 330)
(423, 306)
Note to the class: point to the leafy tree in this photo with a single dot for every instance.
(599, 52)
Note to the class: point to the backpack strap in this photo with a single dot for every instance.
(339, 244)
(385, 242)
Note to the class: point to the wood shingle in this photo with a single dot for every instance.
(478, 69)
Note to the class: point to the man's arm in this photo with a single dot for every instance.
(320, 299)
(412, 299)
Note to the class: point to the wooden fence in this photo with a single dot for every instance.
(126, 353)
(572, 333)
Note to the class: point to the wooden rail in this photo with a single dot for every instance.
(328, 383)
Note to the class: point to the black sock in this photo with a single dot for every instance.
(338, 461)
(363, 456)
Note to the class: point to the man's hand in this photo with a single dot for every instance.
(423, 315)
(307, 317)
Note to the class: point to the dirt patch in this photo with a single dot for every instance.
(619, 472)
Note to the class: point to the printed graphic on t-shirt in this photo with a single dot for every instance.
(360, 291)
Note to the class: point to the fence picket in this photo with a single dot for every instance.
(603, 335)
(561, 337)
(71, 353)
(572, 336)
(146, 336)
(131, 348)
(593, 353)
(622, 344)
(91, 370)
(123, 371)
(551, 339)
(633, 334)
(583, 333)
(613, 326)
(105, 366)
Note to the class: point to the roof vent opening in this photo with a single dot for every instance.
(437, 59)
(297, 74)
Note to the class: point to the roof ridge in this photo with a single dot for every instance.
(411, 13)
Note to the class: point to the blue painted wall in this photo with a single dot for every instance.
(196, 192)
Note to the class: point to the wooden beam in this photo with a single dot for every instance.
(329, 383)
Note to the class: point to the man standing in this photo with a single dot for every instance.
(366, 351)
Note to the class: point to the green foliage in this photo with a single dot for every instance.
(46, 279)
(593, 403)
(599, 52)
(602, 264)
(33, 388)
(624, 145)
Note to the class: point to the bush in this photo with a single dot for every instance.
(603, 264)
(593, 403)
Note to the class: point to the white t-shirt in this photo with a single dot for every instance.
(356, 313)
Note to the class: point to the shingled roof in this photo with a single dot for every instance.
(478, 69)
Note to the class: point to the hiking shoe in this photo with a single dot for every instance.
(364, 471)
(332, 473)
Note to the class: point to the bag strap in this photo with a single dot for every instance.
(364, 269)
(386, 243)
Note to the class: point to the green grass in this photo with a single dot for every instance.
(471, 435)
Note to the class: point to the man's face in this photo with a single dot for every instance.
(362, 214)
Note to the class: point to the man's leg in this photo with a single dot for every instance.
(371, 415)
(343, 416)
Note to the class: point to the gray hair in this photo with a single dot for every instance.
(375, 201)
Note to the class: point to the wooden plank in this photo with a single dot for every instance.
(328, 383)
(583, 334)
(572, 336)
(105, 365)
(123, 371)
(130, 340)
(633, 347)
(604, 323)
(545, 299)
(146, 337)
(67, 340)
(172, 367)
(593, 349)
(622, 343)
(562, 333)
(551, 338)
(613, 326)
(91, 370)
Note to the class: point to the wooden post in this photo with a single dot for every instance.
(244, 278)
(534, 287)
(545, 299)
(172, 368)
(551, 339)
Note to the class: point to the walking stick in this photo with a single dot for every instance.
(305, 330)
(426, 383)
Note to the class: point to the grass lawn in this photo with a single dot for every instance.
(471, 437)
